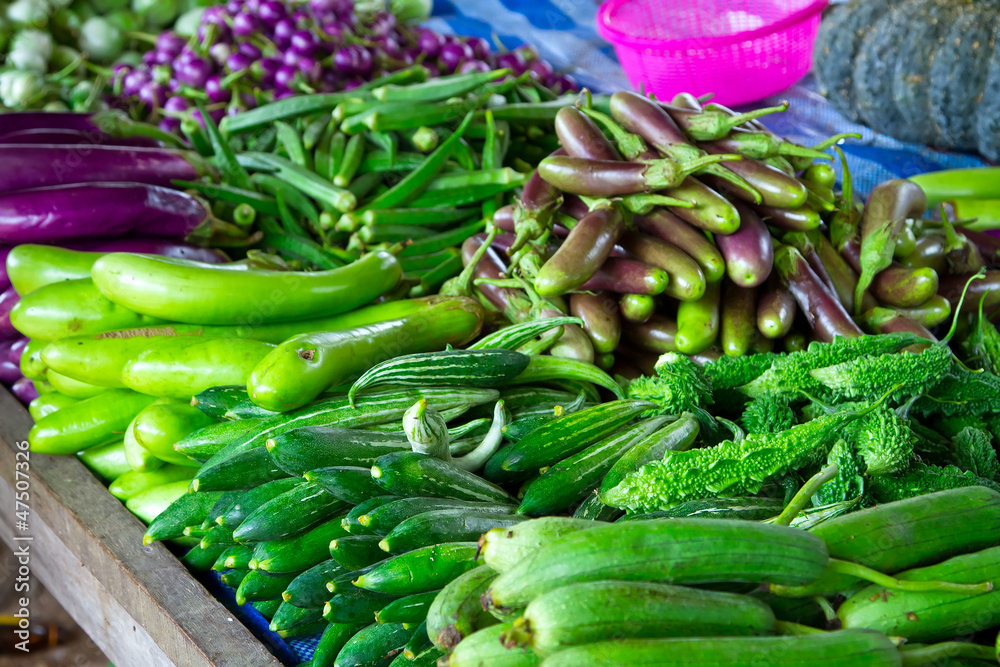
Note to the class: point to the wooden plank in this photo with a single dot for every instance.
(138, 603)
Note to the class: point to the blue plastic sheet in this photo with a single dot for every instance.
(563, 32)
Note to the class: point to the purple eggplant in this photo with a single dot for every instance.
(582, 253)
(16, 350)
(636, 308)
(714, 121)
(749, 251)
(895, 285)
(9, 373)
(776, 188)
(628, 276)
(533, 212)
(761, 145)
(8, 299)
(892, 202)
(4, 280)
(47, 165)
(74, 137)
(97, 209)
(17, 121)
(687, 281)
(987, 289)
(25, 390)
(601, 319)
(646, 119)
(658, 334)
(668, 227)
(800, 219)
(888, 321)
(574, 207)
(581, 137)
(609, 178)
(823, 310)
(776, 310)
(150, 246)
(989, 246)
(573, 343)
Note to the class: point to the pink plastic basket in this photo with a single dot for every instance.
(739, 50)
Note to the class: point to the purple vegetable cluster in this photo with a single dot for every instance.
(249, 52)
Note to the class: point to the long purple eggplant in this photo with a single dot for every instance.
(668, 227)
(776, 188)
(4, 280)
(714, 121)
(97, 209)
(887, 321)
(628, 276)
(823, 310)
(582, 253)
(657, 334)
(989, 246)
(16, 121)
(25, 390)
(761, 145)
(47, 165)
(73, 137)
(581, 137)
(9, 373)
(776, 310)
(951, 288)
(533, 211)
(892, 202)
(8, 299)
(687, 281)
(645, 118)
(800, 219)
(607, 178)
(150, 246)
(16, 350)
(749, 251)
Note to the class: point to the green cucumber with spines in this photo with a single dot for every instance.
(419, 571)
(334, 638)
(218, 535)
(297, 553)
(226, 499)
(427, 658)
(291, 621)
(353, 605)
(570, 480)
(419, 642)
(196, 532)
(374, 646)
(351, 523)
(290, 513)
(188, 510)
(446, 525)
(570, 434)
(680, 551)
(251, 499)
(234, 469)
(259, 585)
(266, 608)
(352, 484)
(384, 518)
(308, 589)
(461, 368)
(456, 611)
(414, 474)
(236, 557)
(315, 447)
(485, 648)
(408, 609)
(233, 578)
(208, 441)
(201, 560)
(354, 552)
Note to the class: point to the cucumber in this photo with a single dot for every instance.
(419, 642)
(226, 500)
(570, 480)
(297, 553)
(353, 605)
(259, 585)
(233, 469)
(747, 509)
(290, 513)
(419, 571)
(291, 621)
(248, 501)
(593, 509)
(611, 610)
(233, 578)
(266, 608)
(427, 658)
(351, 484)
(196, 532)
(201, 560)
(517, 429)
(228, 402)
(308, 590)
(409, 609)
(208, 441)
(304, 449)
(352, 523)
(334, 638)
(134, 481)
(504, 548)
(236, 557)
(453, 368)
(149, 503)
(676, 436)
(681, 551)
(569, 434)
(930, 617)
(413, 474)
(485, 648)
(356, 551)
(382, 519)
(849, 648)
(456, 611)
(188, 510)
(107, 462)
(446, 525)
(218, 535)
(913, 532)
(375, 645)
